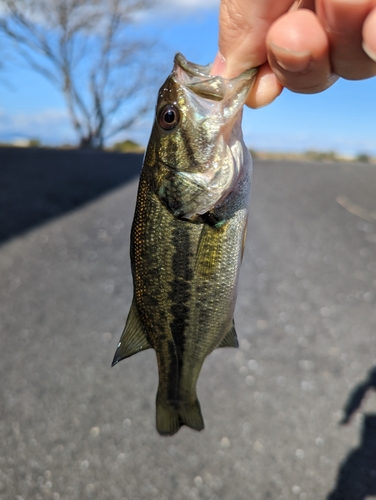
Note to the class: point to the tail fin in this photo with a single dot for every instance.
(171, 415)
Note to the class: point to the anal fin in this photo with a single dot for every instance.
(230, 339)
(133, 338)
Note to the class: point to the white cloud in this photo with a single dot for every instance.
(196, 4)
(50, 126)
(53, 128)
(166, 9)
(299, 141)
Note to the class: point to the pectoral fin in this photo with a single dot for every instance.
(209, 250)
(230, 339)
(133, 338)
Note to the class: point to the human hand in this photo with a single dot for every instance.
(301, 45)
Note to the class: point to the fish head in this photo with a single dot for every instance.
(196, 139)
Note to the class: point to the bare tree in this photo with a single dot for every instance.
(89, 50)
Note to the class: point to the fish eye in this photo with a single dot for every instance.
(168, 117)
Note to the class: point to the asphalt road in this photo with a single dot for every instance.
(72, 428)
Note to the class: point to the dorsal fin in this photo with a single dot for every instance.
(230, 339)
(133, 338)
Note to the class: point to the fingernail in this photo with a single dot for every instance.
(260, 106)
(370, 53)
(291, 60)
(219, 65)
(267, 90)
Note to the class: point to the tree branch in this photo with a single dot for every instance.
(80, 46)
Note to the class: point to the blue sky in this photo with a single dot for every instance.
(342, 119)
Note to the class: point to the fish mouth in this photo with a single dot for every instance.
(191, 68)
(216, 88)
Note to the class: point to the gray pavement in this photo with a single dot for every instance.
(71, 427)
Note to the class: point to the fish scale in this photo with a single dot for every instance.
(187, 235)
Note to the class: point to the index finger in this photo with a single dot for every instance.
(243, 25)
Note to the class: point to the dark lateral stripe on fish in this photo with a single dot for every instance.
(173, 373)
(180, 295)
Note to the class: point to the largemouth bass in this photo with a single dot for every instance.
(188, 234)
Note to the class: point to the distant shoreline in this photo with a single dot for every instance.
(131, 147)
(320, 156)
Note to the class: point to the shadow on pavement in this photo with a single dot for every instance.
(357, 475)
(39, 184)
(357, 395)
